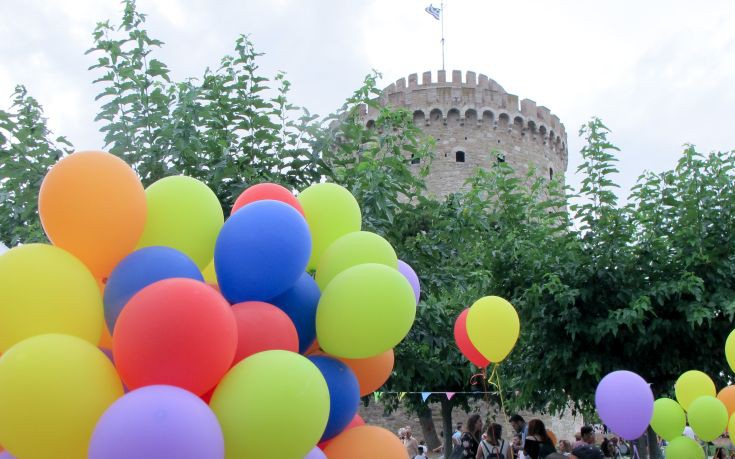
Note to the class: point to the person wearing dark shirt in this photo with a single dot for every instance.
(588, 450)
(538, 444)
(470, 439)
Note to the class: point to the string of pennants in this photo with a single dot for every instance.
(377, 395)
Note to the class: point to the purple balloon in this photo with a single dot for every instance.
(625, 403)
(408, 272)
(7, 455)
(155, 422)
(316, 453)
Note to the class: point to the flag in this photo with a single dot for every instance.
(450, 395)
(401, 396)
(434, 11)
(425, 395)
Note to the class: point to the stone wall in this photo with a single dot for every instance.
(476, 123)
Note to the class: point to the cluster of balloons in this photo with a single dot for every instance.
(487, 331)
(152, 327)
(626, 404)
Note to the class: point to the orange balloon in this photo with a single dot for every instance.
(372, 372)
(93, 205)
(314, 349)
(366, 442)
(106, 338)
(727, 397)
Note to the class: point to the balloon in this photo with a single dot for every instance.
(92, 204)
(344, 394)
(464, 344)
(300, 303)
(263, 327)
(266, 396)
(44, 289)
(179, 332)
(364, 311)
(366, 442)
(708, 417)
(315, 453)
(727, 397)
(668, 419)
(372, 372)
(731, 428)
(730, 350)
(209, 274)
(183, 213)
(408, 272)
(7, 455)
(266, 191)
(53, 389)
(261, 251)
(493, 327)
(158, 422)
(140, 269)
(684, 448)
(624, 402)
(351, 250)
(691, 385)
(357, 421)
(331, 212)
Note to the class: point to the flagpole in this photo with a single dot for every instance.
(441, 12)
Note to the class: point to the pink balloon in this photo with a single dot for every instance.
(464, 344)
(263, 327)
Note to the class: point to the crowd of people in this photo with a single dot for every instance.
(475, 440)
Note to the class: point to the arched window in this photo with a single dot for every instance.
(370, 124)
(503, 120)
(453, 117)
(419, 118)
(435, 115)
(459, 156)
(471, 116)
(488, 117)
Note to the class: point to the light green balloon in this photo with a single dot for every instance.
(708, 417)
(351, 250)
(364, 311)
(684, 448)
(691, 385)
(331, 212)
(183, 213)
(269, 395)
(668, 419)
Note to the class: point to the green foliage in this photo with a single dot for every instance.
(27, 151)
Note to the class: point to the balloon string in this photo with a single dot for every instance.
(635, 451)
(496, 383)
(474, 379)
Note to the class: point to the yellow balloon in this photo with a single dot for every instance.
(692, 385)
(493, 327)
(730, 350)
(45, 289)
(53, 389)
(210, 275)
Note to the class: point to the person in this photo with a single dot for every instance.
(720, 454)
(578, 440)
(588, 450)
(606, 448)
(538, 445)
(457, 435)
(494, 447)
(422, 453)
(565, 447)
(409, 442)
(519, 425)
(689, 432)
(470, 439)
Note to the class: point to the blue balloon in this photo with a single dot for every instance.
(299, 303)
(141, 269)
(261, 251)
(344, 394)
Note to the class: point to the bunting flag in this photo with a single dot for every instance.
(401, 396)
(433, 11)
(425, 395)
(450, 395)
(377, 395)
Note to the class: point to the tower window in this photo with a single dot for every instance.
(459, 157)
(551, 174)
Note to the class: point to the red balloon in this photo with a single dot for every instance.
(357, 421)
(263, 327)
(179, 332)
(464, 344)
(263, 191)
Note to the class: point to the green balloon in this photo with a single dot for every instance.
(183, 213)
(331, 212)
(708, 417)
(267, 395)
(668, 419)
(364, 311)
(351, 250)
(684, 448)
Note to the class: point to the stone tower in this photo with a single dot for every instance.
(475, 123)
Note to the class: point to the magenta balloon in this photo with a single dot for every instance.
(154, 422)
(316, 453)
(625, 403)
(408, 272)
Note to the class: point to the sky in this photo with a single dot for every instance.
(660, 74)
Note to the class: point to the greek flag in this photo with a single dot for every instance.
(434, 11)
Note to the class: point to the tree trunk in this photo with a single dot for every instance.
(653, 450)
(426, 419)
(448, 425)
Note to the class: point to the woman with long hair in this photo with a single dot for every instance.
(538, 443)
(493, 446)
(470, 440)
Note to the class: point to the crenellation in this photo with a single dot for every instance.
(413, 80)
(528, 108)
(426, 78)
(456, 78)
(441, 76)
(482, 81)
(401, 84)
(471, 78)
